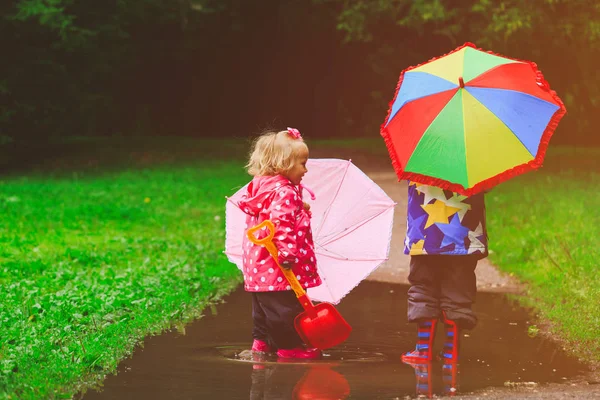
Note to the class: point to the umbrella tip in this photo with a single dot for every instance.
(461, 82)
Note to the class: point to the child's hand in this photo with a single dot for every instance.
(306, 206)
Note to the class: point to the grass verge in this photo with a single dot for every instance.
(544, 228)
(91, 262)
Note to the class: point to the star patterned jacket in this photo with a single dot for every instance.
(443, 222)
(277, 199)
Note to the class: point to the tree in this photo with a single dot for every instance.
(79, 66)
(562, 36)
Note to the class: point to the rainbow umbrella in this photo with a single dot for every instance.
(469, 120)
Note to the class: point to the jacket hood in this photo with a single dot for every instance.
(258, 190)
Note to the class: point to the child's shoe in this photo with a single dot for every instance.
(451, 340)
(425, 336)
(259, 346)
(300, 353)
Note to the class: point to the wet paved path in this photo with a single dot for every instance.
(202, 363)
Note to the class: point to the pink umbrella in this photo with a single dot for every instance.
(351, 223)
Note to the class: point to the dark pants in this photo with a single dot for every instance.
(442, 283)
(273, 314)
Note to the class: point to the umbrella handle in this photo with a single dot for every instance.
(267, 242)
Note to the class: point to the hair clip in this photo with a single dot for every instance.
(293, 132)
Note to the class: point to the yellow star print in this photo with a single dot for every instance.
(417, 248)
(438, 212)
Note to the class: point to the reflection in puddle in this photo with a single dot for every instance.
(212, 361)
(287, 382)
(330, 357)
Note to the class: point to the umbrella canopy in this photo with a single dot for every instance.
(469, 120)
(351, 224)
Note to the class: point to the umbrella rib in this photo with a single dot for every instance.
(233, 202)
(348, 231)
(338, 256)
(333, 200)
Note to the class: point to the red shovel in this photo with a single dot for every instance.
(320, 326)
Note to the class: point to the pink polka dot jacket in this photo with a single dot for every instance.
(277, 199)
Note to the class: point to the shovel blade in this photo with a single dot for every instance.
(322, 328)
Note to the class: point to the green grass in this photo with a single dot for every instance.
(544, 228)
(92, 262)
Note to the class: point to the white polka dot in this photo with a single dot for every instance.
(298, 277)
(290, 245)
(305, 223)
(271, 288)
(277, 184)
(285, 253)
(262, 279)
(262, 262)
(281, 237)
(263, 228)
(294, 237)
(306, 284)
(259, 205)
(278, 207)
(271, 270)
(279, 279)
(246, 209)
(288, 229)
(312, 259)
(288, 287)
(256, 253)
(287, 202)
(299, 233)
(256, 287)
(297, 260)
(255, 270)
(251, 261)
(307, 268)
(249, 278)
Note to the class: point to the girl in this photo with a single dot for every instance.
(278, 163)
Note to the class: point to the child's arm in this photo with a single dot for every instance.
(283, 215)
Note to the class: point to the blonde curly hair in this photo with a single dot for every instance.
(274, 153)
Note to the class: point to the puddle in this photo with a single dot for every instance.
(331, 357)
(211, 360)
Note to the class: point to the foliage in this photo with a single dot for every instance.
(562, 36)
(76, 66)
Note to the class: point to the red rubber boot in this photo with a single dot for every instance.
(423, 352)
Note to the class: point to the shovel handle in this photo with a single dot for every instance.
(267, 242)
